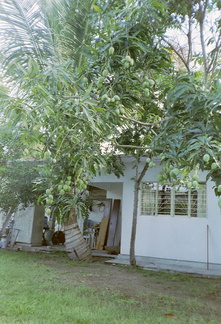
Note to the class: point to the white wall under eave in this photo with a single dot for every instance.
(180, 238)
(172, 238)
(127, 209)
(214, 223)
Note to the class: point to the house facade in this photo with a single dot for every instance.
(173, 223)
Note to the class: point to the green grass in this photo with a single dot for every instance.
(36, 291)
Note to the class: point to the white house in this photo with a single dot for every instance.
(182, 225)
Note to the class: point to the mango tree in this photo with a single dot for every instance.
(190, 138)
(185, 127)
(135, 73)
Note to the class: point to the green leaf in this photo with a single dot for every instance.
(96, 8)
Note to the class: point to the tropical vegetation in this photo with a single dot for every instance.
(82, 82)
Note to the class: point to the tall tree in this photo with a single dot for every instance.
(190, 139)
(188, 136)
(76, 71)
(136, 73)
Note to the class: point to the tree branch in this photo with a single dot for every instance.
(133, 146)
(143, 123)
(177, 53)
(211, 67)
(142, 174)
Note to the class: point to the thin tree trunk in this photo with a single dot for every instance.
(134, 221)
(76, 246)
(202, 10)
(189, 36)
(137, 182)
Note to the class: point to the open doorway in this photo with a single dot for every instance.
(103, 230)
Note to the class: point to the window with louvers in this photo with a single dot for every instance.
(167, 200)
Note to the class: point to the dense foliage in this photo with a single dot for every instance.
(101, 65)
(87, 80)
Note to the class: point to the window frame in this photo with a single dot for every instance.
(196, 206)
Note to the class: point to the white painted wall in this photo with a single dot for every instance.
(28, 225)
(2, 218)
(180, 238)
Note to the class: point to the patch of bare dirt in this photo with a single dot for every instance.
(135, 283)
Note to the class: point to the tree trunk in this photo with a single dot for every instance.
(134, 225)
(137, 182)
(76, 246)
(202, 14)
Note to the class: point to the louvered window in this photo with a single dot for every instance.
(157, 199)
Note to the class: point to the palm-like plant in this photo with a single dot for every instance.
(43, 30)
(42, 46)
(25, 33)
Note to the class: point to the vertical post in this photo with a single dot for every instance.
(207, 246)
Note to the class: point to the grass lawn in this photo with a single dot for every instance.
(50, 288)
